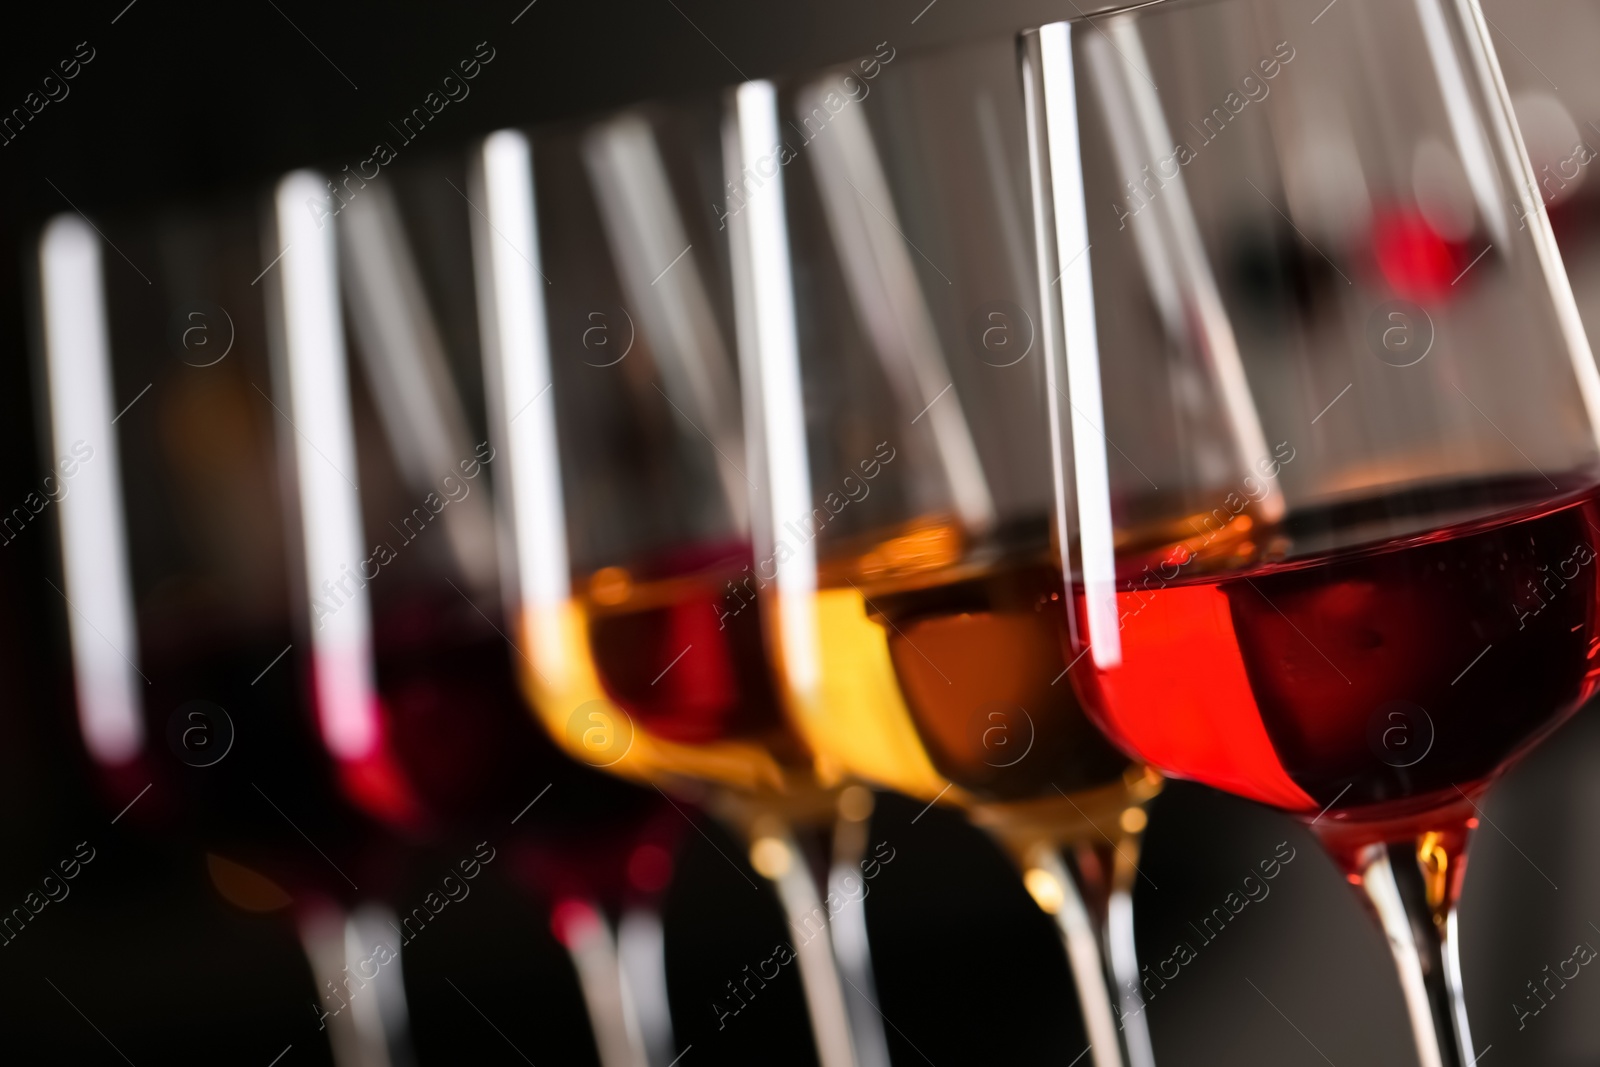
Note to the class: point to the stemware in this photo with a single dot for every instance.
(1324, 428)
(890, 357)
(622, 472)
(418, 703)
(175, 589)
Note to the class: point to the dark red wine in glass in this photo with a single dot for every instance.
(173, 570)
(472, 758)
(642, 621)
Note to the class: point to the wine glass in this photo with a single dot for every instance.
(622, 471)
(419, 705)
(1311, 318)
(889, 347)
(173, 579)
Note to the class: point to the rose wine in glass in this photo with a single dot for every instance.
(1326, 545)
(1319, 663)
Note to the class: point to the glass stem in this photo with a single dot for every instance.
(364, 1013)
(1095, 920)
(385, 1020)
(642, 957)
(820, 975)
(593, 951)
(1409, 890)
(851, 947)
(1123, 958)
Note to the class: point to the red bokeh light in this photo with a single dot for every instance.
(650, 868)
(1415, 260)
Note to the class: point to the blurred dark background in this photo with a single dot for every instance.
(144, 963)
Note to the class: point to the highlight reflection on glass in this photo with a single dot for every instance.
(94, 560)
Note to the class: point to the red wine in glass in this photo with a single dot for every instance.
(684, 657)
(471, 758)
(173, 571)
(1375, 682)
